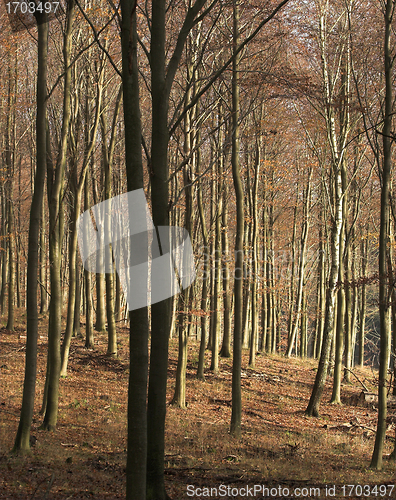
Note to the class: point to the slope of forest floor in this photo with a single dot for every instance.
(279, 447)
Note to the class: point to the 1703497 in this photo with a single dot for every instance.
(32, 7)
(24, 14)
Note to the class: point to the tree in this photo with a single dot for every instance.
(384, 303)
(78, 183)
(55, 178)
(138, 319)
(337, 143)
(239, 261)
(22, 439)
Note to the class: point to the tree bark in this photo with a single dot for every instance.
(337, 146)
(384, 303)
(239, 261)
(89, 336)
(22, 439)
(138, 319)
(55, 179)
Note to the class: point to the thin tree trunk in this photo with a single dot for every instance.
(43, 263)
(225, 351)
(253, 341)
(301, 268)
(55, 178)
(89, 335)
(340, 331)
(321, 375)
(320, 314)
(179, 398)
(110, 307)
(363, 300)
(205, 281)
(214, 365)
(238, 282)
(304, 325)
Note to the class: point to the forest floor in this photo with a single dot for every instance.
(280, 448)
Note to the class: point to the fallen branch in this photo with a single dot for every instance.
(49, 485)
(41, 482)
(357, 378)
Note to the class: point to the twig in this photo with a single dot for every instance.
(38, 486)
(49, 485)
(357, 378)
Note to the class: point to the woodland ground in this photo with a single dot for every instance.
(280, 446)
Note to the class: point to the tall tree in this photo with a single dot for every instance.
(138, 319)
(337, 140)
(239, 260)
(55, 180)
(22, 439)
(384, 302)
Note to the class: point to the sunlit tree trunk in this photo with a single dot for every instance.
(363, 299)
(301, 267)
(89, 337)
(320, 312)
(43, 263)
(254, 244)
(4, 251)
(55, 179)
(264, 311)
(304, 325)
(179, 398)
(217, 254)
(78, 187)
(108, 155)
(340, 331)
(293, 267)
(337, 145)
(205, 277)
(9, 160)
(225, 351)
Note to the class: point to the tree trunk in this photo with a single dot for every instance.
(9, 160)
(161, 311)
(301, 268)
(89, 336)
(55, 179)
(216, 316)
(179, 398)
(339, 339)
(337, 146)
(384, 305)
(110, 306)
(304, 325)
(363, 300)
(22, 439)
(72, 280)
(205, 278)
(253, 340)
(226, 346)
(239, 261)
(264, 309)
(43, 262)
(138, 319)
(320, 313)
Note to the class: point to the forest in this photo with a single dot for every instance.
(197, 249)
